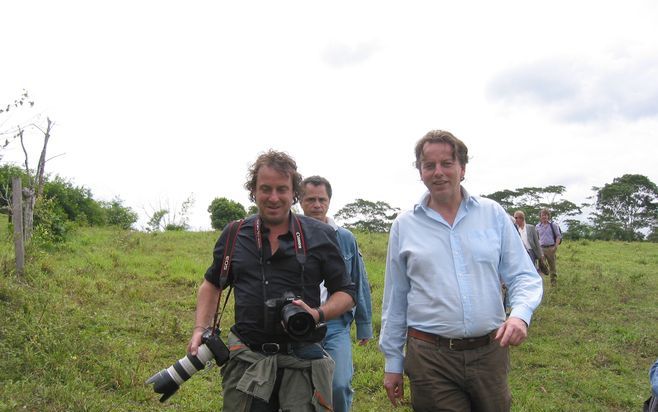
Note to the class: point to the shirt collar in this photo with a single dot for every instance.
(467, 200)
(331, 223)
(291, 228)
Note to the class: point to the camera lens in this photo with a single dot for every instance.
(298, 322)
(167, 381)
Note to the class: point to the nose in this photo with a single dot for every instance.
(438, 170)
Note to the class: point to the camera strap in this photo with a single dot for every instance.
(233, 229)
(298, 241)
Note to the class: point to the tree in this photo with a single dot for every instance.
(222, 211)
(366, 216)
(578, 230)
(33, 188)
(532, 199)
(7, 171)
(74, 203)
(116, 214)
(625, 208)
(164, 219)
(8, 135)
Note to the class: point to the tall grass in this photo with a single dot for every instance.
(92, 319)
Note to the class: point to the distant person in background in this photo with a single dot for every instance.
(549, 238)
(529, 236)
(446, 260)
(315, 200)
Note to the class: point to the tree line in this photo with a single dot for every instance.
(625, 209)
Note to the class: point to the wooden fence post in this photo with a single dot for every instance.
(17, 220)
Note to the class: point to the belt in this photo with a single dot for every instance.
(271, 348)
(548, 245)
(453, 344)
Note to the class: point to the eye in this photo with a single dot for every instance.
(428, 165)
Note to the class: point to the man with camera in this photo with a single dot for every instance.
(315, 201)
(278, 261)
(447, 258)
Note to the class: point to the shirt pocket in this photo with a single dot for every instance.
(483, 246)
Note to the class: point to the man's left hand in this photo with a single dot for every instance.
(303, 305)
(512, 332)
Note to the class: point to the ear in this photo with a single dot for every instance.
(463, 172)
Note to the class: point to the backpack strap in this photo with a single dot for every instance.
(229, 247)
(552, 230)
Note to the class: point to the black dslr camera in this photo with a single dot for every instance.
(281, 316)
(167, 381)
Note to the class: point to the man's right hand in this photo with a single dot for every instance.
(195, 341)
(394, 386)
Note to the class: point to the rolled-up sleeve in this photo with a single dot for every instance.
(363, 310)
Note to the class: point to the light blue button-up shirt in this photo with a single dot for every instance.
(446, 280)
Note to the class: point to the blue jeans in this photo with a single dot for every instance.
(339, 346)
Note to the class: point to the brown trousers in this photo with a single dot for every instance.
(551, 258)
(446, 380)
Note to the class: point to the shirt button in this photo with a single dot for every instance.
(268, 262)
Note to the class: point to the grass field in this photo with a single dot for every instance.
(92, 319)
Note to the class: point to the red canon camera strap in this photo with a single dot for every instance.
(233, 230)
(298, 242)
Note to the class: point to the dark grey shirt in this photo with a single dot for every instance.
(257, 275)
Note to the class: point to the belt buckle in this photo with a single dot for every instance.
(450, 344)
(270, 348)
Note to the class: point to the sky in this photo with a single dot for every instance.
(155, 102)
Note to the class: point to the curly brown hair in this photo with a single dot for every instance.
(281, 162)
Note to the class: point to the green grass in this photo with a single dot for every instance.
(92, 319)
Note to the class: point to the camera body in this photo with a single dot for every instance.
(282, 316)
(168, 380)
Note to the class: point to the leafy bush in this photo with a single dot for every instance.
(75, 202)
(116, 214)
(50, 223)
(222, 211)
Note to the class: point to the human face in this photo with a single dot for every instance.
(442, 173)
(519, 220)
(543, 217)
(315, 201)
(273, 195)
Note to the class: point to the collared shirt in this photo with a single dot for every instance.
(524, 237)
(258, 275)
(356, 269)
(546, 237)
(446, 280)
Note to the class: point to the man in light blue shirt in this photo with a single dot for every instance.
(315, 201)
(446, 261)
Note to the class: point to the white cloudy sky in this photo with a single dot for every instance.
(157, 100)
